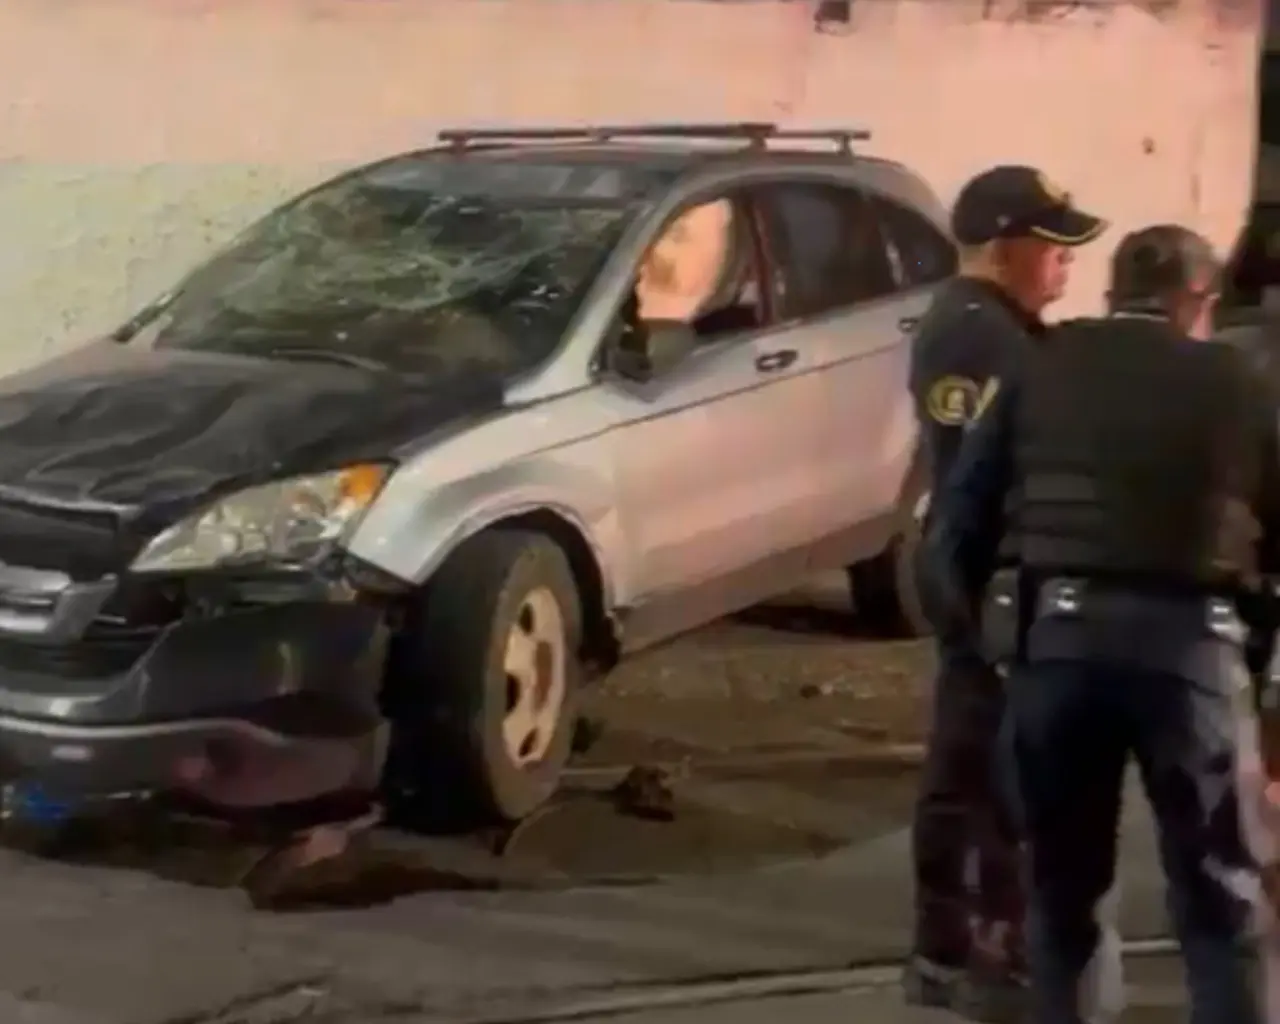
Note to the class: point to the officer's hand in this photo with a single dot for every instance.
(1270, 877)
(948, 606)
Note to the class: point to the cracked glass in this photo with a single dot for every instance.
(425, 265)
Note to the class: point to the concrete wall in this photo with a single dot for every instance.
(134, 135)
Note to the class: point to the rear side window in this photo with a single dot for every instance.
(919, 253)
(826, 247)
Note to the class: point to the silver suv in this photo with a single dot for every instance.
(441, 435)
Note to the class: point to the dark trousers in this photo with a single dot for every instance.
(1076, 724)
(961, 815)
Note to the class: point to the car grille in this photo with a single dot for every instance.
(104, 650)
(128, 626)
(85, 545)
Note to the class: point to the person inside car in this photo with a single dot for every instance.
(699, 271)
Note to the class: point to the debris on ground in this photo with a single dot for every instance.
(291, 861)
(362, 876)
(645, 792)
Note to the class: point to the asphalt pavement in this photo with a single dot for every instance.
(90, 945)
(1155, 997)
(810, 939)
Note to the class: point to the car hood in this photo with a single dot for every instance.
(149, 435)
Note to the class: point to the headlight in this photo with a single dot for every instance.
(293, 521)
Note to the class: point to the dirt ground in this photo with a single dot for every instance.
(774, 678)
(778, 734)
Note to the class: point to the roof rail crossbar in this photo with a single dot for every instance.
(739, 130)
(844, 138)
(756, 133)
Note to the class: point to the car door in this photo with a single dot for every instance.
(715, 461)
(837, 297)
(921, 258)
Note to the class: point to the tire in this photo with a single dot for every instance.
(886, 588)
(462, 747)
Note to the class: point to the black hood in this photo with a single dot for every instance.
(131, 440)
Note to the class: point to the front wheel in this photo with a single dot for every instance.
(485, 680)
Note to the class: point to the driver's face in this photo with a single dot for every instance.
(685, 263)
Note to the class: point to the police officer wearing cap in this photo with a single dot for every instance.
(1133, 474)
(1016, 232)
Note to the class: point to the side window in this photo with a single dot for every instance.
(919, 252)
(826, 247)
(703, 269)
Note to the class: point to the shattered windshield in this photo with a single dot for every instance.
(425, 265)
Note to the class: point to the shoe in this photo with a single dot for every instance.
(995, 988)
(993, 997)
(926, 982)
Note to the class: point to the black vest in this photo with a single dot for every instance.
(1136, 458)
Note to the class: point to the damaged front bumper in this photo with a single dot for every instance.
(246, 694)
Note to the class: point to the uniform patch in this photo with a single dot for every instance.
(952, 400)
(983, 402)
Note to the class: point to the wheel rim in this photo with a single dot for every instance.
(535, 666)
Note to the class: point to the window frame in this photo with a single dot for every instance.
(884, 202)
(777, 264)
(701, 185)
(742, 194)
(744, 204)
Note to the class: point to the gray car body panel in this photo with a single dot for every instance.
(575, 441)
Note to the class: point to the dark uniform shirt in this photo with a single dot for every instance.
(971, 337)
(964, 542)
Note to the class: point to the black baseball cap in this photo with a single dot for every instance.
(1013, 201)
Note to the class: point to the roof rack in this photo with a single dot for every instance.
(757, 134)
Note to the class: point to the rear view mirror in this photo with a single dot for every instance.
(653, 348)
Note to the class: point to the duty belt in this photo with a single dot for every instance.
(1180, 634)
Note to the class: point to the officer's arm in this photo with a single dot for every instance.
(959, 552)
(958, 360)
(1265, 619)
(1268, 508)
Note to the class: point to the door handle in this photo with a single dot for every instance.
(771, 362)
(908, 324)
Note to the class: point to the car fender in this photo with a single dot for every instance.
(425, 511)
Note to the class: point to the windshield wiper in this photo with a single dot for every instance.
(128, 330)
(302, 353)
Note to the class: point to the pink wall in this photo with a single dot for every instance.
(143, 132)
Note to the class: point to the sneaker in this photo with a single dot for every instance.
(928, 983)
(993, 997)
(995, 987)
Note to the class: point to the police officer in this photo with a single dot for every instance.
(1016, 232)
(1134, 475)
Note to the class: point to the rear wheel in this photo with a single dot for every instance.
(485, 680)
(886, 588)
